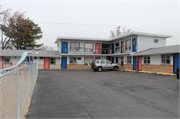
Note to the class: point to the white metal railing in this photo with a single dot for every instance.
(15, 88)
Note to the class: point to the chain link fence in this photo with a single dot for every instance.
(15, 88)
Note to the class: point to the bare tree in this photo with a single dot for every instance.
(5, 42)
(112, 34)
(120, 31)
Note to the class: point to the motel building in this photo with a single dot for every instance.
(133, 51)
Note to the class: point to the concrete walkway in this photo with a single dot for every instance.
(108, 94)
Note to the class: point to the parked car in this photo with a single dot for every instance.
(102, 64)
(177, 73)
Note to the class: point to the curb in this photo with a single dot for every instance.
(166, 73)
(171, 74)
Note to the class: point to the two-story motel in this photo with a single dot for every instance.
(135, 51)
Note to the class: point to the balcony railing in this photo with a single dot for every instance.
(83, 50)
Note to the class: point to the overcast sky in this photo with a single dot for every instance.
(95, 19)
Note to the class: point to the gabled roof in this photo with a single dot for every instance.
(159, 50)
(20, 52)
(115, 38)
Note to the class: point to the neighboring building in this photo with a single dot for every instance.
(46, 59)
(136, 50)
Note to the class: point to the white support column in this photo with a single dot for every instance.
(60, 46)
(124, 46)
(100, 48)
(131, 44)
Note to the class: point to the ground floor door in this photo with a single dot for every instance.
(112, 59)
(139, 63)
(97, 58)
(46, 63)
(122, 64)
(116, 60)
(1, 62)
(176, 62)
(64, 63)
(134, 62)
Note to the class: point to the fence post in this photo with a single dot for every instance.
(29, 80)
(18, 96)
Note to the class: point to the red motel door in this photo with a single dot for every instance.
(97, 48)
(1, 62)
(139, 63)
(46, 63)
(122, 46)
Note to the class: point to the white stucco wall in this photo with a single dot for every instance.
(40, 61)
(80, 61)
(14, 60)
(145, 42)
(68, 60)
(58, 60)
(155, 59)
(103, 57)
(125, 60)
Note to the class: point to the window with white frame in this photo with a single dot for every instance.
(74, 47)
(52, 60)
(88, 61)
(128, 59)
(88, 47)
(146, 59)
(128, 45)
(6, 60)
(72, 60)
(166, 59)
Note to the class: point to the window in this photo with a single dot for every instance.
(128, 45)
(89, 47)
(88, 61)
(72, 60)
(41, 58)
(156, 40)
(165, 59)
(74, 47)
(146, 59)
(103, 62)
(79, 58)
(108, 62)
(6, 60)
(52, 60)
(128, 59)
(35, 57)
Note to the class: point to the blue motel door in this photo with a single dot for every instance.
(135, 62)
(176, 62)
(134, 45)
(64, 63)
(64, 48)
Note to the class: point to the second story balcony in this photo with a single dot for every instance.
(84, 51)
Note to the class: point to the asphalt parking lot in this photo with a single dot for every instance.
(107, 94)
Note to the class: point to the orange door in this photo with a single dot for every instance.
(97, 58)
(139, 63)
(46, 63)
(97, 48)
(1, 62)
